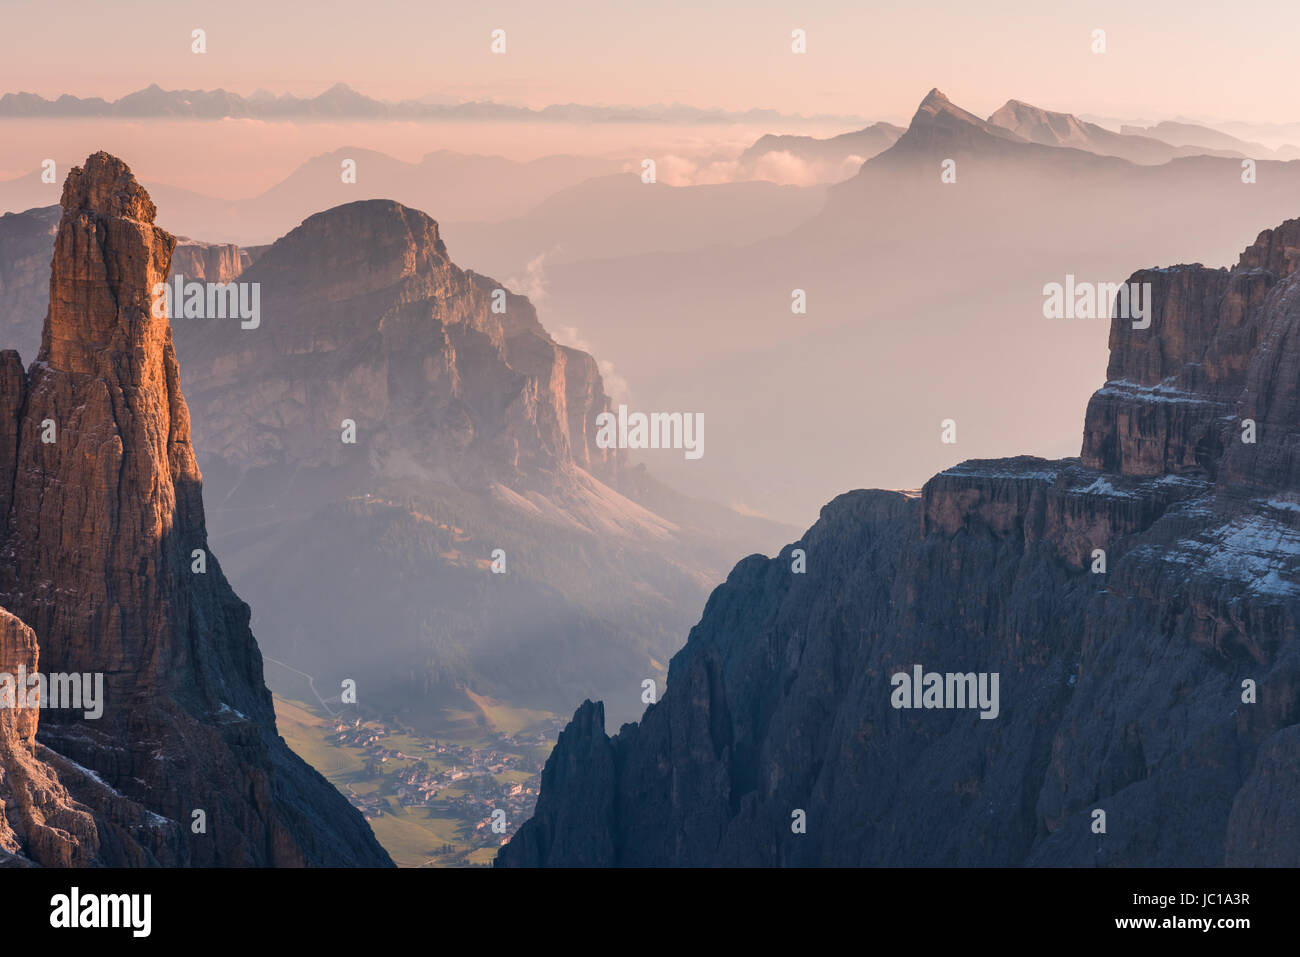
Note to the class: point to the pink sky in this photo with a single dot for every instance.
(876, 60)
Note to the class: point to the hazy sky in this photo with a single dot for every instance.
(874, 59)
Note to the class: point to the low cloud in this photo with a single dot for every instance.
(616, 386)
(533, 285)
(533, 282)
(778, 166)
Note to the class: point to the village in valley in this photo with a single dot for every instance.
(433, 800)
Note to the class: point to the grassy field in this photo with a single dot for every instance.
(305, 729)
(414, 836)
(502, 717)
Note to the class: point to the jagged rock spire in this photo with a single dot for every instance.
(104, 521)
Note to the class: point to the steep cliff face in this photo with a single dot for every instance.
(1161, 688)
(209, 262)
(368, 319)
(1226, 356)
(103, 543)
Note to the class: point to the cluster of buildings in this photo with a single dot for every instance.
(441, 767)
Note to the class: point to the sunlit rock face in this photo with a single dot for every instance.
(100, 534)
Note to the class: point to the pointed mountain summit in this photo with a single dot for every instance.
(940, 130)
(341, 99)
(940, 124)
(108, 564)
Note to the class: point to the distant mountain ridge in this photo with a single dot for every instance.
(1196, 136)
(1064, 129)
(829, 155)
(341, 101)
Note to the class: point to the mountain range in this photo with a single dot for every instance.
(1019, 215)
(1135, 145)
(902, 271)
(1189, 136)
(372, 560)
(341, 101)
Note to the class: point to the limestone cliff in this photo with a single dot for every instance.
(368, 319)
(209, 262)
(102, 536)
(1139, 604)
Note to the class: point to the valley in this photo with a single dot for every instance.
(429, 794)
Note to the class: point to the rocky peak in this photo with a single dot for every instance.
(942, 130)
(106, 187)
(107, 562)
(459, 377)
(1222, 349)
(396, 244)
(1276, 250)
(107, 255)
(939, 121)
(934, 102)
(1017, 141)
